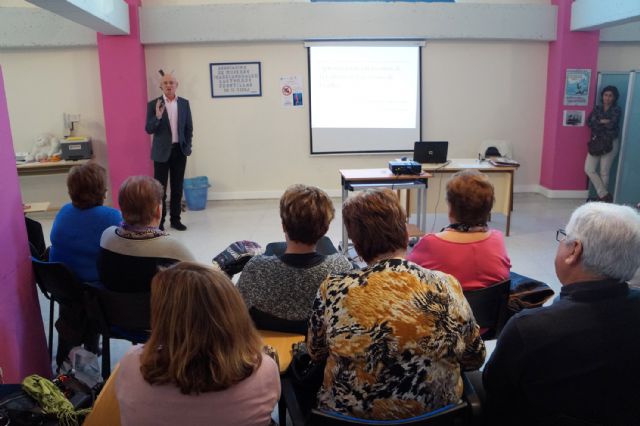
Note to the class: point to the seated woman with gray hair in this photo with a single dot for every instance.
(130, 254)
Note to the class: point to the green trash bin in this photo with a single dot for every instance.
(195, 192)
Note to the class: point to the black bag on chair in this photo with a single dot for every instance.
(304, 373)
(18, 408)
(232, 259)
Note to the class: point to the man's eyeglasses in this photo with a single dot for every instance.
(561, 235)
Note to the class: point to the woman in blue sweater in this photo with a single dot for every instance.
(75, 241)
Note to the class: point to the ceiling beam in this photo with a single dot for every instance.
(109, 17)
(588, 15)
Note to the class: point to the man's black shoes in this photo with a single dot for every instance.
(177, 225)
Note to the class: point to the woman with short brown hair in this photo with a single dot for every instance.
(75, 241)
(203, 362)
(130, 254)
(467, 248)
(394, 336)
(139, 197)
(306, 212)
(87, 185)
(376, 223)
(279, 287)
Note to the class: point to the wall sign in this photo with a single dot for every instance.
(291, 89)
(234, 79)
(573, 118)
(576, 89)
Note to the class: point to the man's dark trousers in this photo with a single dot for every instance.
(172, 171)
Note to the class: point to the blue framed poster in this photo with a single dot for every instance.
(576, 89)
(235, 79)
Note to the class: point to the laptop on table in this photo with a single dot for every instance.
(430, 152)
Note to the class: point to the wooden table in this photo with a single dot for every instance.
(282, 343)
(41, 206)
(47, 168)
(360, 179)
(500, 176)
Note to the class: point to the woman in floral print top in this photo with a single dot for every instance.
(395, 335)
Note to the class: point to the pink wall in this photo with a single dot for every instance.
(565, 148)
(124, 99)
(23, 348)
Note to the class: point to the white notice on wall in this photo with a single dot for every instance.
(291, 89)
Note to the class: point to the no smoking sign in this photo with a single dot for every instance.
(287, 90)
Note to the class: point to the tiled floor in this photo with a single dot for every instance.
(531, 245)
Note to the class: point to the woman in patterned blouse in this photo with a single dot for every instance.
(394, 335)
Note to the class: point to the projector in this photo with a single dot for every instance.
(408, 167)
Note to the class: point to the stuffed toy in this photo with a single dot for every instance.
(45, 147)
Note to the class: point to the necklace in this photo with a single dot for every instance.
(463, 227)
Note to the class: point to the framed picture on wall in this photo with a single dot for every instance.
(235, 79)
(573, 118)
(576, 89)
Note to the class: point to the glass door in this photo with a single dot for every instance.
(621, 81)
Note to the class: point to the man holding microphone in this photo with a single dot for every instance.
(169, 121)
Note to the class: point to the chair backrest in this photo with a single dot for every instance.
(266, 321)
(35, 236)
(324, 247)
(452, 414)
(57, 281)
(490, 307)
(133, 274)
(130, 312)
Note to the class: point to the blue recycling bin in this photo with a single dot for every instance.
(195, 192)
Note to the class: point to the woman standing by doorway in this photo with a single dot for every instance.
(603, 145)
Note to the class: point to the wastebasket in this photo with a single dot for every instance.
(195, 192)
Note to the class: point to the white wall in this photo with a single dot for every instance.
(255, 147)
(619, 56)
(40, 85)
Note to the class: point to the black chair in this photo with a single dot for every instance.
(35, 237)
(324, 247)
(490, 307)
(266, 321)
(118, 316)
(58, 284)
(466, 412)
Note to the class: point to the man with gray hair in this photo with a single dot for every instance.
(576, 362)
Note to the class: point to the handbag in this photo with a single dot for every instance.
(305, 374)
(18, 408)
(600, 144)
(233, 259)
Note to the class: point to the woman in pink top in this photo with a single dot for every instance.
(467, 248)
(203, 363)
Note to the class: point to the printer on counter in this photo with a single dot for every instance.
(76, 148)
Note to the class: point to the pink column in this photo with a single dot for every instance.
(565, 148)
(124, 99)
(23, 347)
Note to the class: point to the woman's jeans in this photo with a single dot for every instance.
(601, 180)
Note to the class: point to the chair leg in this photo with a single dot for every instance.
(106, 357)
(282, 411)
(51, 303)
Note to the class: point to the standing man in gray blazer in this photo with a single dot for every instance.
(169, 121)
